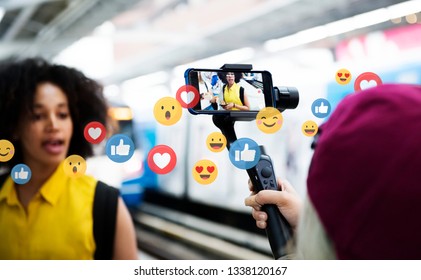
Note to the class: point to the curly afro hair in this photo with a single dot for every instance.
(223, 76)
(18, 81)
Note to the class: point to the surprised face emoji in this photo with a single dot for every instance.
(74, 166)
(167, 111)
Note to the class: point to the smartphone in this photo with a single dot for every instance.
(219, 89)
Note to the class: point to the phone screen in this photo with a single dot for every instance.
(220, 89)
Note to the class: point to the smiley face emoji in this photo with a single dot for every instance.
(167, 111)
(343, 76)
(7, 150)
(269, 120)
(74, 166)
(309, 128)
(216, 142)
(205, 171)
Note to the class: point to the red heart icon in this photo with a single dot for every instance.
(199, 169)
(210, 169)
(346, 75)
(187, 93)
(339, 74)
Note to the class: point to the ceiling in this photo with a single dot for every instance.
(155, 35)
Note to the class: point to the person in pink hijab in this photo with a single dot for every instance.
(364, 183)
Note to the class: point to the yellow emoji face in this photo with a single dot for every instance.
(343, 76)
(205, 171)
(309, 128)
(167, 111)
(216, 142)
(7, 150)
(269, 120)
(74, 166)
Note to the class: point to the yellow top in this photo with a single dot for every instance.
(232, 94)
(58, 223)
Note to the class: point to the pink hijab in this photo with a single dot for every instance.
(365, 176)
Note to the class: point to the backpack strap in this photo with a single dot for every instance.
(223, 92)
(3, 178)
(104, 215)
(242, 94)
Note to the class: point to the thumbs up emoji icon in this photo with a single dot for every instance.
(247, 154)
(21, 174)
(244, 153)
(321, 108)
(119, 148)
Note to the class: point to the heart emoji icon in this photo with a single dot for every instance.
(367, 80)
(367, 84)
(94, 132)
(188, 96)
(161, 160)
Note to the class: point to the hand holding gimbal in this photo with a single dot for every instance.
(262, 174)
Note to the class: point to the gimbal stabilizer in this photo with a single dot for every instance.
(262, 174)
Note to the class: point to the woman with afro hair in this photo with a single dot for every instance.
(44, 108)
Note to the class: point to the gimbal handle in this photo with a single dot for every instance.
(278, 229)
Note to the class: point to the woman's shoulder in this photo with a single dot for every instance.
(91, 185)
(84, 185)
